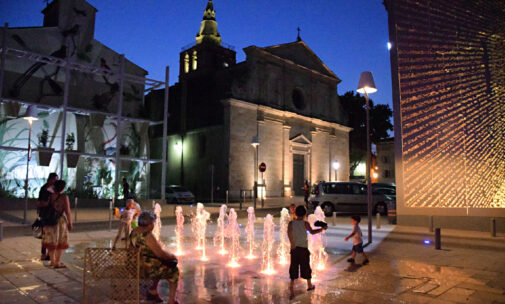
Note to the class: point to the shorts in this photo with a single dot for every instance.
(300, 263)
(358, 248)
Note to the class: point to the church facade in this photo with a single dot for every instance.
(278, 107)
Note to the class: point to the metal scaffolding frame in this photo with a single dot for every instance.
(69, 65)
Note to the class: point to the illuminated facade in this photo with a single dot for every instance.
(448, 72)
(282, 95)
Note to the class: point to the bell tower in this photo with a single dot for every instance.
(207, 54)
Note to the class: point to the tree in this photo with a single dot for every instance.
(380, 124)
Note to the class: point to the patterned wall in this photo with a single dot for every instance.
(450, 57)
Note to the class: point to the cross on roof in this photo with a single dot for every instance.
(298, 38)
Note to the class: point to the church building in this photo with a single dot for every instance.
(278, 107)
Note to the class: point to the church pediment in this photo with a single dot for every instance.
(301, 140)
(299, 53)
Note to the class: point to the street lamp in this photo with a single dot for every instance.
(335, 166)
(366, 86)
(255, 143)
(30, 116)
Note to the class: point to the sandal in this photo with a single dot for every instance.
(311, 288)
(60, 265)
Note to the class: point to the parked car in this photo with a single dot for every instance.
(178, 195)
(349, 197)
(384, 185)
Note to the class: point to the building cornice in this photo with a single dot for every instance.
(285, 114)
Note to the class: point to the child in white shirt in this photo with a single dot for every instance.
(126, 219)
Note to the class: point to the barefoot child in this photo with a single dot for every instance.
(300, 254)
(357, 240)
(126, 219)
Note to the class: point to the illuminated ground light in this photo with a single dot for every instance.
(283, 261)
(268, 271)
(250, 256)
(233, 264)
(222, 252)
(427, 242)
(320, 266)
(179, 253)
(204, 258)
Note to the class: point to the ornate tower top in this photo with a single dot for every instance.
(208, 29)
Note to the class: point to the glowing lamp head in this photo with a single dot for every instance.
(375, 175)
(31, 114)
(427, 242)
(366, 83)
(255, 142)
(335, 165)
(389, 45)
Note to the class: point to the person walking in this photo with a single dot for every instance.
(58, 223)
(45, 191)
(126, 189)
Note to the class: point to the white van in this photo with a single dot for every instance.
(348, 197)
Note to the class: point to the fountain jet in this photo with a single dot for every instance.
(284, 246)
(219, 236)
(179, 231)
(268, 246)
(249, 230)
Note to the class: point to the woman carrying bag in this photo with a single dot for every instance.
(57, 222)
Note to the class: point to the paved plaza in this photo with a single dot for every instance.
(470, 268)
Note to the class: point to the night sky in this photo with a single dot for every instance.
(350, 36)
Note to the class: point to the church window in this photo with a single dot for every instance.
(186, 63)
(298, 100)
(195, 61)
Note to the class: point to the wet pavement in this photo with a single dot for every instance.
(469, 269)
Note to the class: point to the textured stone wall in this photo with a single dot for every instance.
(277, 133)
(448, 61)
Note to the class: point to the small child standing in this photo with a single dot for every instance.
(126, 219)
(357, 240)
(300, 254)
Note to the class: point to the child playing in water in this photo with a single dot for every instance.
(357, 240)
(292, 214)
(300, 254)
(126, 219)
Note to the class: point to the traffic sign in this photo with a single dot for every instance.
(263, 167)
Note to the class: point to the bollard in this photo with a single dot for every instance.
(334, 219)
(242, 200)
(438, 241)
(154, 204)
(75, 210)
(378, 221)
(226, 197)
(1, 230)
(493, 227)
(111, 205)
(430, 223)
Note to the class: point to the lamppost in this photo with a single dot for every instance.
(366, 86)
(255, 143)
(30, 116)
(335, 166)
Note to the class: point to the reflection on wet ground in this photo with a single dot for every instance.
(402, 269)
(213, 282)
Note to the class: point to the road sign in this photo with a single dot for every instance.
(263, 167)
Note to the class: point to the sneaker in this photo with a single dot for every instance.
(351, 260)
(365, 262)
